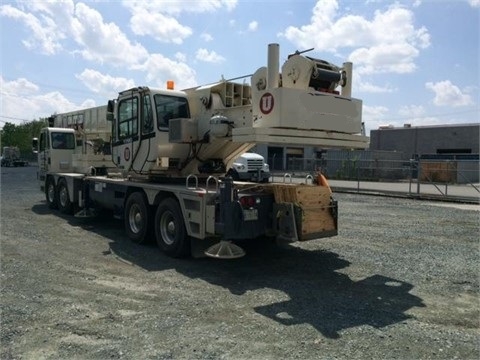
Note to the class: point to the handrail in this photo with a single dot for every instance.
(187, 181)
(287, 175)
(211, 177)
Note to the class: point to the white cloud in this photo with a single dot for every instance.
(366, 86)
(448, 94)
(22, 99)
(208, 56)
(177, 7)
(19, 86)
(374, 116)
(104, 84)
(389, 42)
(182, 57)
(474, 3)
(206, 37)
(159, 69)
(412, 111)
(52, 24)
(44, 32)
(253, 26)
(159, 26)
(416, 116)
(159, 18)
(104, 42)
(386, 58)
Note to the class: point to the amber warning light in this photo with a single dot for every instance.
(170, 85)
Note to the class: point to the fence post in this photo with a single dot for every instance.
(411, 176)
(419, 171)
(358, 178)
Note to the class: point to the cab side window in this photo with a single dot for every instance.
(170, 107)
(42, 143)
(147, 115)
(128, 118)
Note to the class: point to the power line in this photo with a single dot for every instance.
(13, 118)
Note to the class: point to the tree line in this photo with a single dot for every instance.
(22, 135)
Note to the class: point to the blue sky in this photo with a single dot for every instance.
(415, 62)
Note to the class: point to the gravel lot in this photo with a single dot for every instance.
(401, 281)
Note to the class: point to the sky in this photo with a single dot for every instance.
(414, 61)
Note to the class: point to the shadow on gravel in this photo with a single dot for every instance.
(318, 295)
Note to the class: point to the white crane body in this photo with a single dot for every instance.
(130, 156)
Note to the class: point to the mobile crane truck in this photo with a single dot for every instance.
(157, 158)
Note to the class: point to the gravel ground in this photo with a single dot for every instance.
(401, 281)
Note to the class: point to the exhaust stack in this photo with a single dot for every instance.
(273, 68)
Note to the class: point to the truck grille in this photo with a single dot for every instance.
(254, 164)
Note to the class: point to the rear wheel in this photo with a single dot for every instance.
(170, 229)
(51, 193)
(136, 217)
(63, 200)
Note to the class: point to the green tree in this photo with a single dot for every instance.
(21, 136)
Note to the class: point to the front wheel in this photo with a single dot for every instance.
(51, 193)
(136, 218)
(63, 201)
(170, 229)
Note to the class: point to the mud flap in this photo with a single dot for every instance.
(284, 223)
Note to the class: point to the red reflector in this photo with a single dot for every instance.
(247, 201)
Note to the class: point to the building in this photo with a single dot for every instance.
(415, 141)
(448, 153)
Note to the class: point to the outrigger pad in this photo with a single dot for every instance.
(86, 213)
(225, 250)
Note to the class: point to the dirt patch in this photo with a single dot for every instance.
(400, 281)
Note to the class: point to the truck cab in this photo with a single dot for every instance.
(250, 167)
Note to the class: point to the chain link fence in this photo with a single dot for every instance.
(436, 177)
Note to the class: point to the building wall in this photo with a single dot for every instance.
(428, 139)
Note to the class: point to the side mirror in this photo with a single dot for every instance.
(35, 145)
(110, 110)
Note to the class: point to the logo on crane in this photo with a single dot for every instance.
(126, 154)
(266, 103)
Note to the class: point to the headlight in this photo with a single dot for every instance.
(266, 167)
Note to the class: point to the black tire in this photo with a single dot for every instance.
(51, 193)
(137, 218)
(170, 230)
(63, 199)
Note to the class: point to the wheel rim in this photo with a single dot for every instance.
(51, 193)
(168, 228)
(63, 196)
(135, 219)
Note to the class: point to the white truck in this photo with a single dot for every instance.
(157, 158)
(11, 157)
(250, 167)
